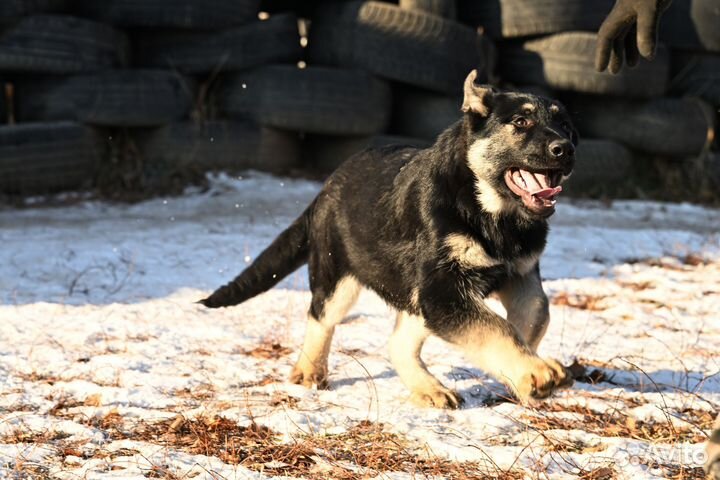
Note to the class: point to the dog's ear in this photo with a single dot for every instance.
(478, 98)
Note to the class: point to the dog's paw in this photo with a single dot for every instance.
(544, 377)
(309, 375)
(438, 397)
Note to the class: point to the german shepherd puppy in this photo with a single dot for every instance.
(434, 232)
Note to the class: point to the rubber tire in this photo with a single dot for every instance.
(303, 9)
(442, 8)
(313, 100)
(3, 103)
(191, 14)
(712, 174)
(325, 153)
(673, 127)
(184, 147)
(38, 158)
(565, 61)
(13, 10)
(409, 46)
(422, 114)
(229, 50)
(697, 75)
(115, 98)
(600, 165)
(61, 44)
(522, 18)
(692, 25)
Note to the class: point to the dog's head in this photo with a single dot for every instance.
(521, 147)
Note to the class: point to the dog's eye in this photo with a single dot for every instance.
(521, 122)
(566, 126)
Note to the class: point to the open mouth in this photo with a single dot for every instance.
(537, 190)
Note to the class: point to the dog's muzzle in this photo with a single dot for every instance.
(537, 190)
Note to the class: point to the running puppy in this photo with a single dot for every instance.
(434, 232)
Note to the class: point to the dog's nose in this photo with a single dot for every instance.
(561, 148)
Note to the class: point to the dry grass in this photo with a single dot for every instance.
(602, 473)
(266, 380)
(203, 391)
(681, 263)
(675, 471)
(582, 301)
(25, 435)
(268, 351)
(365, 450)
(614, 423)
(22, 470)
(581, 373)
(52, 379)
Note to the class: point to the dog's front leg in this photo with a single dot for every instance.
(405, 346)
(527, 306)
(492, 343)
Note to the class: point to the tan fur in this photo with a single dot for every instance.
(477, 156)
(473, 96)
(467, 252)
(512, 362)
(528, 108)
(506, 356)
(415, 298)
(489, 199)
(342, 299)
(311, 367)
(405, 346)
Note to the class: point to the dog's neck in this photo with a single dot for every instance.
(464, 183)
(459, 187)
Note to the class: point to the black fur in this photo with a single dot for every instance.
(384, 215)
(286, 254)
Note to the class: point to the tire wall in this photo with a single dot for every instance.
(634, 124)
(128, 95)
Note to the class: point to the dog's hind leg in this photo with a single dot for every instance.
(329, 306)
(405, 346)
(527, 306)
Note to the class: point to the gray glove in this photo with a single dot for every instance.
(629, 30)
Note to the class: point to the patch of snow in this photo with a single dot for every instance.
(97, 310)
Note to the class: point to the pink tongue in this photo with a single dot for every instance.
(548, 192)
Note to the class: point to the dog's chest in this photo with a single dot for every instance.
(470, 254)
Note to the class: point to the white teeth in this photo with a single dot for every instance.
(541, 179)
(530, 181)
(518, 179)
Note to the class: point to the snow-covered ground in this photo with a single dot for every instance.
(99, 334)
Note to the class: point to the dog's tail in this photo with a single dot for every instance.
(287, 253)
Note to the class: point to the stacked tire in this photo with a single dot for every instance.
(661, 112)
(140, 94)
(363, 62)
(41, 155)
(114, 94)
(158, 91)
